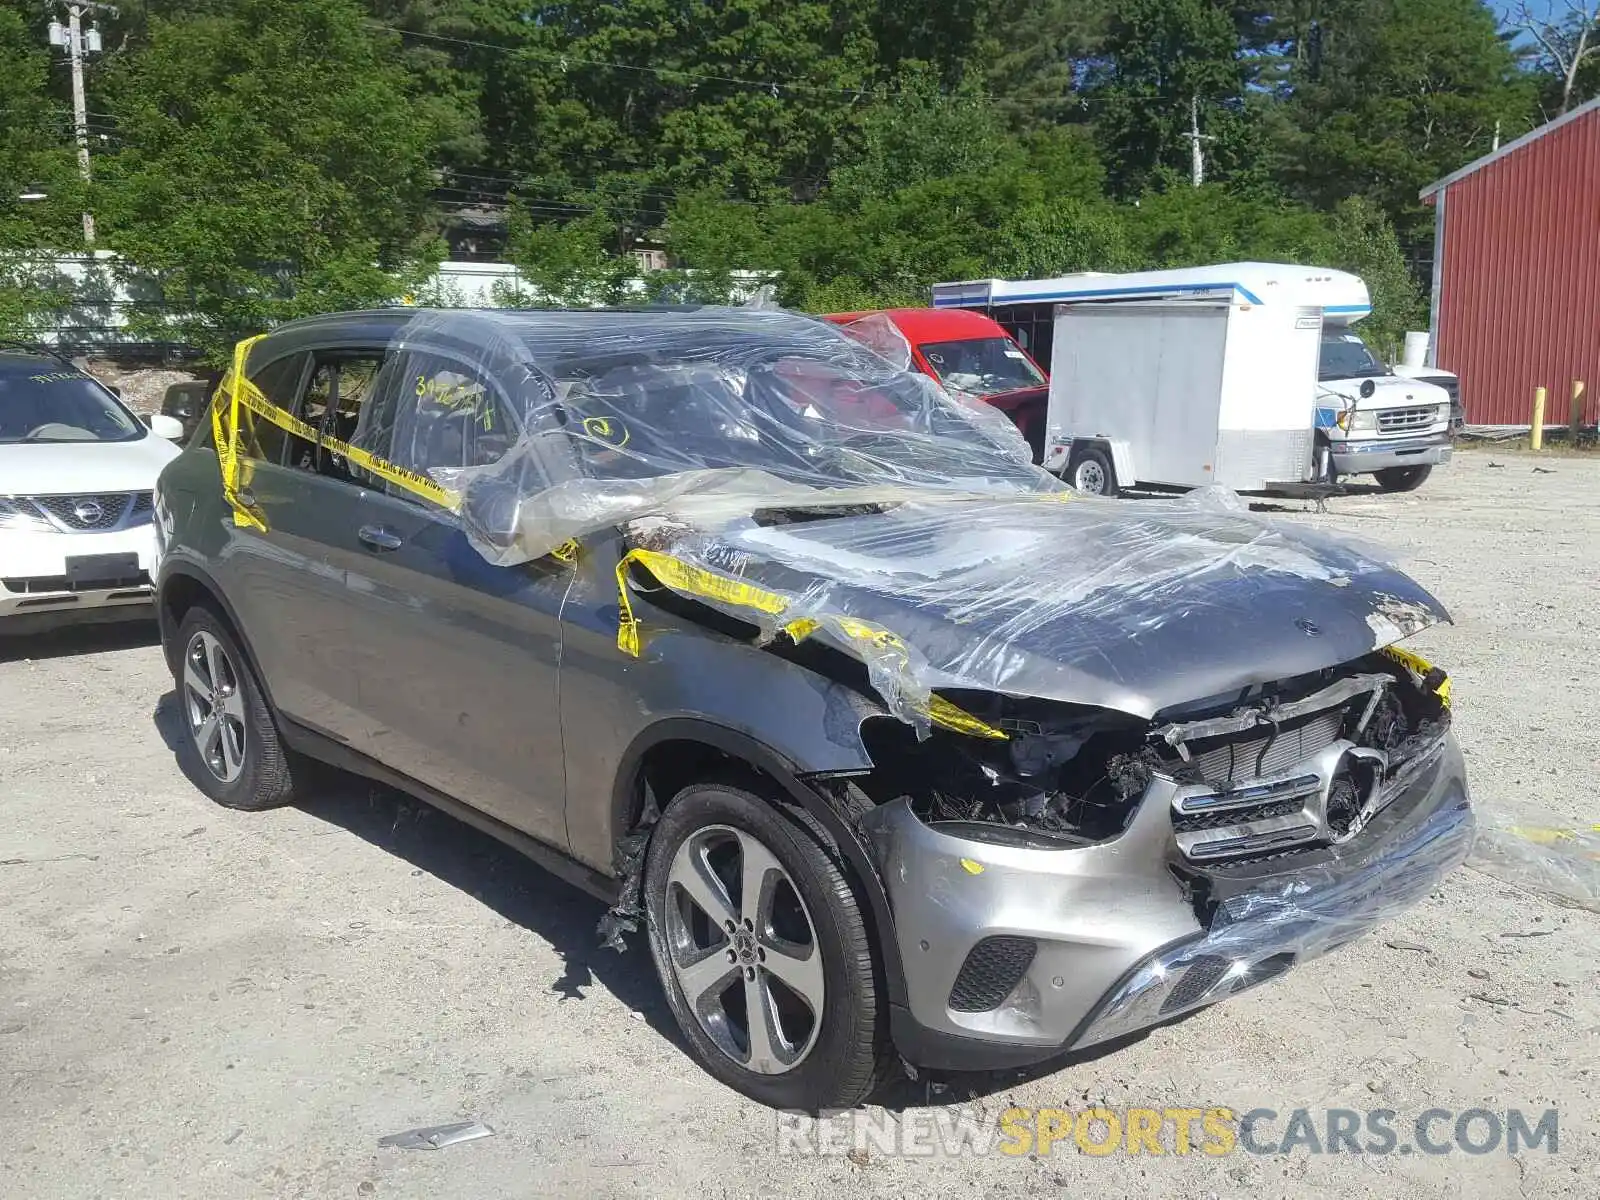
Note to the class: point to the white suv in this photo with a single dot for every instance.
(77, 472)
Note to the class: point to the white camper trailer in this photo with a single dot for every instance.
(1243, 374)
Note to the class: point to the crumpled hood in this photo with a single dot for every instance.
(1135, 606)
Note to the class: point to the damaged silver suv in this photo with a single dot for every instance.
(894, 745)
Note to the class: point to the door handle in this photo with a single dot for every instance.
(379, 537)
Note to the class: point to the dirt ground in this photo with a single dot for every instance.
(195, 1002)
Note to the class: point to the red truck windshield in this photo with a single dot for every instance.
(981, 366)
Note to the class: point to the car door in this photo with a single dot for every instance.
(287, 580)
(458, 657)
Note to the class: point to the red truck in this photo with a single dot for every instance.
(970, 352)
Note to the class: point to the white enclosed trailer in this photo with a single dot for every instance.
(1224, 374)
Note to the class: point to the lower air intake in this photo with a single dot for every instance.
(993, 967)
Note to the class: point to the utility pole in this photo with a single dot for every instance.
(79, 45)
(1197, 158)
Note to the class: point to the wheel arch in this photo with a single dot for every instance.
(679, 751)
(185, 585)
(1106, 449)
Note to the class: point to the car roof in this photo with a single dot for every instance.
(30, 359)
(932, 324)
(529, 332)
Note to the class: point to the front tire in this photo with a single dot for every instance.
(763, 951)
(1091, 472)
(230, 749)
(1402, 479)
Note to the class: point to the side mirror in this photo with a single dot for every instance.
(489, 511)
(166, 427)
(1367, 388)
(114, 390)
(183, 400)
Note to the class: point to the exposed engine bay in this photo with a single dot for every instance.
(1250, 762)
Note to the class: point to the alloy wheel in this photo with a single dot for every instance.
(744, 949)
(214, 705)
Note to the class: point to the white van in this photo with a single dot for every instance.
(1244, 374)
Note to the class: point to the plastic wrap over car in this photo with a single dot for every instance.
(773, 467)
(1543, 853)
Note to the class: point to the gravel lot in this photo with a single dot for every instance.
(199, 1002)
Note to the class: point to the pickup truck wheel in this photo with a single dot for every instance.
(1402, 479)
(230, 750)
(763, 951)
(1090, 471)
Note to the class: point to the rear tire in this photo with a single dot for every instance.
(1402, 479)
(797, 948)
(1090, 471)
(230, 747)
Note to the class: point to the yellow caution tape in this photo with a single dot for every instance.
(225, 435)
(237, 392)
(708, 585)
(1415, 661)
(942, 712)
(1549, 837)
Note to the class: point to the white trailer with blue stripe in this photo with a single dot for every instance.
(1243, 374)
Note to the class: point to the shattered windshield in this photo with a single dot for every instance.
(982, 366)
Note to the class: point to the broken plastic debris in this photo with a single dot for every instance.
(436, 1137)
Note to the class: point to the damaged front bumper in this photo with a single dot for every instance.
(1017, 948)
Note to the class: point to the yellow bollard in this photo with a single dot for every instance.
(1575, 414)
(1536, 433)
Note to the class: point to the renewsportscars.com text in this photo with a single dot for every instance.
(1213, 1132)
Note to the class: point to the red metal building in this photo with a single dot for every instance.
(1516, 273)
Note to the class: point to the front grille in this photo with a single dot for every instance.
(99, 512)
(1405, 420)
(1236, 758)
(1188, 822)
(993, 967)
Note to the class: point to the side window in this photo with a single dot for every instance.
(448, 414)
(279, 382)
(340, 384)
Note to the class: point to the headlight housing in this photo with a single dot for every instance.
(1364, 420)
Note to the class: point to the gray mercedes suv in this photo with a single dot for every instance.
(898, 749)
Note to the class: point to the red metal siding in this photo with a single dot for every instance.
(1519, 297)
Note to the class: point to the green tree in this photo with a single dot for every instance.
(567, 264)
(1393, 94)
(1361, 240)
(271, 164)
(1187, 227)
(916, 133)
(1164, 63)
(1032, 53)
(35, 161)
(626, 104)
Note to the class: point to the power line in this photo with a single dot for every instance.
(775, 86)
